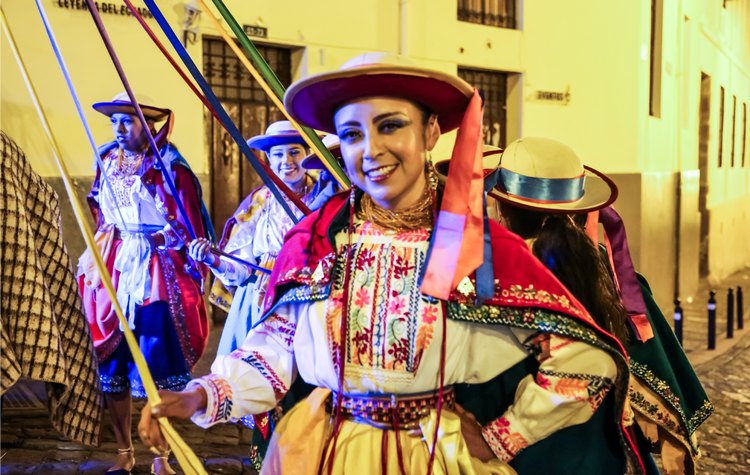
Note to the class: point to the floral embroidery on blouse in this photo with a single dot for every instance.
(390, 322)
(503, 441)
(256, 360)
(577, 386)
(568, 389)
(278, 329)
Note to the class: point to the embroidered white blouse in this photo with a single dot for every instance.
(132, 210)
(393, 346)
(258, 237)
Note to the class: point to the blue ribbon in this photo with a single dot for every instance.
(216, 104)
(550, 190)
(77, 102)
(485, 273)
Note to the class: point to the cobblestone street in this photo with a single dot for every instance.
(31, 446)
(725, 436)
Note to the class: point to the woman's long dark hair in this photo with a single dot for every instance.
(566, 250)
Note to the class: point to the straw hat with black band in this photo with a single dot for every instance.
(545, 175)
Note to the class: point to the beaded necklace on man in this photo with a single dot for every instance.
(124, 175)
(128, 162)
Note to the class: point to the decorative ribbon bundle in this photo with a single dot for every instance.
(186, 458)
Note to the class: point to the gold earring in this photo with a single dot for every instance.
(431, 173)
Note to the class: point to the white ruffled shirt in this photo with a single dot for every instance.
(258, 239)
(133, 207)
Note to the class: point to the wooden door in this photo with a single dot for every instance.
(232, 176)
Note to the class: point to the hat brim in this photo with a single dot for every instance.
(149, 112)
(489, 164)
(313, 162)
(442, 166)
(313, 101)
(599, 191)
(265, 142)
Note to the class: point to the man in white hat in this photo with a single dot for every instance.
(141, 235)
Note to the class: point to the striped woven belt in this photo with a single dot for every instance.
(389, 411)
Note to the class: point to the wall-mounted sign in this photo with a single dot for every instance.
(103, 7)
(553, 96)
(255, 30)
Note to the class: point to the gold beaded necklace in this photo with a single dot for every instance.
(128, 163)
(418, 216)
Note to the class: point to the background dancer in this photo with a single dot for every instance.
(140, 235)
(666, 396)
(255, 233)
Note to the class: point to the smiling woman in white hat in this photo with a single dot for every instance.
(255, 233)
(345, 310)
(141, 237)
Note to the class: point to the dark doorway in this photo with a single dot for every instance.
(232, 177)
(704, 128)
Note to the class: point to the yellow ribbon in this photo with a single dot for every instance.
(187, 459)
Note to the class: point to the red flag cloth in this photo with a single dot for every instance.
(592, 226)
(458, 246)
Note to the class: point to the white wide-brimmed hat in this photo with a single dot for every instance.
(333, 144)
(279, 133)
(313, 101)
(490, 162)
(121, 104)
(543, 174)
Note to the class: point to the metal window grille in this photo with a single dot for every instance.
(231, 81)
(493, 87)
(499, 13)
(232, 176)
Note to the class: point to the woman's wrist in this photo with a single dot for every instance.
(197, 398)
(214, 261)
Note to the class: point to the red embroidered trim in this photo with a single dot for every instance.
(254, 359)
(503, 442)
(220, 396)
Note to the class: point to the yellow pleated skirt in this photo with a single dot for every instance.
(299, 439)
